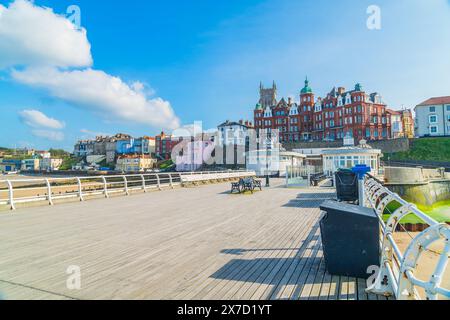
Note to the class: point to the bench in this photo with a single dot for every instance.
(236, 186)
(317, 178)
(246, 184)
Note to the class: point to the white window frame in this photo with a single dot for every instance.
(437, 130)
(432, 115)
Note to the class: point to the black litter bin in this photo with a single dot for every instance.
(350, 239)
(346, 185)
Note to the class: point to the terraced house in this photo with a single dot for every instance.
(339, 113)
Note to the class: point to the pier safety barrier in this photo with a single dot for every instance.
(15, 191)
(398, 272)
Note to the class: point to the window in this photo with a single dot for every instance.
(433, 119)
(433, 129)
(432, 109)
(448, 108)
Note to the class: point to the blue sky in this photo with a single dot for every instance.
(206, 59)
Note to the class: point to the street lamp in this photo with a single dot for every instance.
(268, 145)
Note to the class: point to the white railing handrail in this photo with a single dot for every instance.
(397, 271)
(105, 184)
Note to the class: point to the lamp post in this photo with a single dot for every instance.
(268, 144)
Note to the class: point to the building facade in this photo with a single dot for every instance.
(50, 164)
(433, 117)
(234, 133)
(32, 164)
(408, 123)
(164, 144)
(350, 156)
(339, 113)
(396, 124)
(134, 163)
(233, 142)
(115, 145)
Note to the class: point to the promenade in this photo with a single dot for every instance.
(183, 243)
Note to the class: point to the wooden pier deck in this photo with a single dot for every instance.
(186, 243)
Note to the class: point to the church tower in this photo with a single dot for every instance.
(268, 97)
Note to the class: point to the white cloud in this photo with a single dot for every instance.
(42, 126)
(109, 96)
(37, 119)
(50, 51)
(32, 35)
(48, 134)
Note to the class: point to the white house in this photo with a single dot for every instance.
(50, 164)
(349, 156)
(233, 133)
(433, 117)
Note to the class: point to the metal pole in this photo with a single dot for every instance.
(158, 181)
(49, 192)
(80, 189)
(170, 179)
(105, 187)
(143, 183)
(11, 195)
(126, 185)
(287, 177)
(267, 164)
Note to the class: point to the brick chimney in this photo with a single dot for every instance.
(341, 90)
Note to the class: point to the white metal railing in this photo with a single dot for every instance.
(398, 273)
(15, 191)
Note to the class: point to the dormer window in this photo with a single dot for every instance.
(268, 113)
(340, 102)
(318, 107)
(348, 99)
(293, 111)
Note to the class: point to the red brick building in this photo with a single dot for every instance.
(164, 145)
(341, 112)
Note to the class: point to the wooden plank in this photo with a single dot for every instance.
(183, 243)
(361, 289)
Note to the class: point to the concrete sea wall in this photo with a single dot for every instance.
(420, 186)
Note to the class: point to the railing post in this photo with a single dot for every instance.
(49, 192)
(125, 181)
(158, 181)
(143, 183)
(11, 195)
(80, 189)
(170, 179)
(105, 187)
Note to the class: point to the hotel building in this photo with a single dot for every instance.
(339, 113)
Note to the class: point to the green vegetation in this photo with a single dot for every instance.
(59, 153)
(425, 149)
(439, 212)
(166, 164)
(68, 162)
